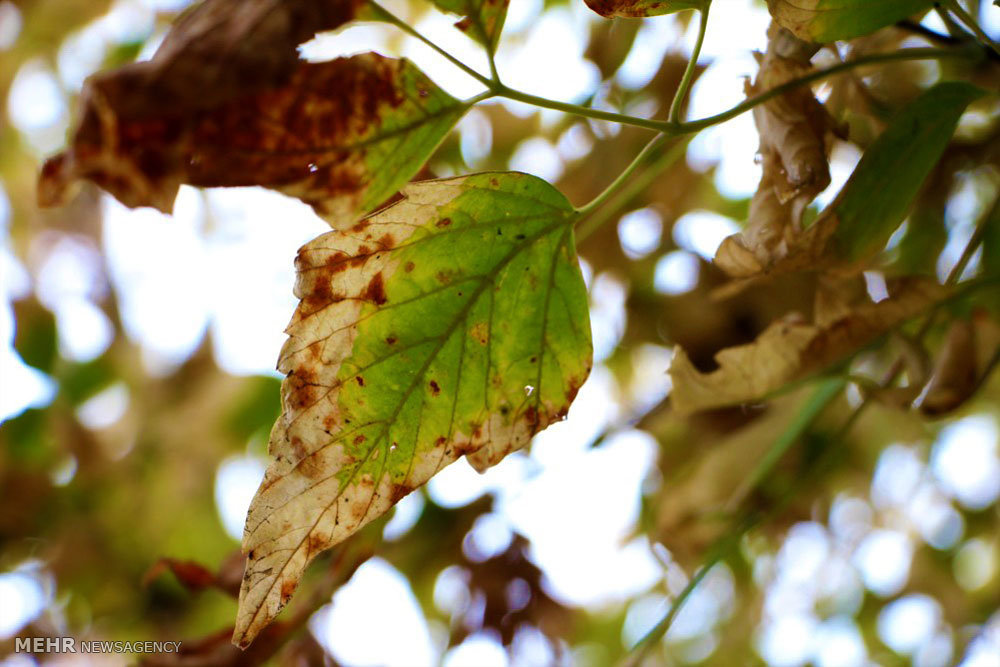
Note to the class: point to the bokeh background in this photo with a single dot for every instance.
(137, 386)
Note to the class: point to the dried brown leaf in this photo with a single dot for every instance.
(791, 349)
(794, 140)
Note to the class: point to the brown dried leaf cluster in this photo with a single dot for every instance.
(792, 348)
(795, 133)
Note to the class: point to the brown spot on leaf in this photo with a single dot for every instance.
(287, 589)
(375, 292)
(531, 414)
(398, 492)
(390, 340)
(408, 267)
(443, 222)
(358, 439)
(360, 380)
(435, 389)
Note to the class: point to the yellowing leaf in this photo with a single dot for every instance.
(791, 349)
(451, 323)
(641, 8)
(342, 136)
(829, 20)
(483, 19)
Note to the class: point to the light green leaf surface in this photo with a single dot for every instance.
(828, 20)
(482, 19)
(876, 198)
(452, 323)
(641, 8)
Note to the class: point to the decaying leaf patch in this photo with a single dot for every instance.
(453, 323)
(795, 138)
(792, 349)
(641, 8)
(867, 210)
(341, 135)
(482, 19)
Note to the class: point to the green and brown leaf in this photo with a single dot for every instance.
(482, 19)
(342, 136)
(828, 20)
(641, 8)
(453, 323)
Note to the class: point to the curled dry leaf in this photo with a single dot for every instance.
(792, 349)
(828, 20)
(340, 135)
(873, 202)
(795, 133)
(641, 8)
(482, 19)
(451, 323)
(963, 361)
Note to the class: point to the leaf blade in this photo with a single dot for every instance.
(641, 8)
(342, 135)
(829, 20)
(482, 19)
(451, 323)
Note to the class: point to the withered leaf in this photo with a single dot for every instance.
(877, 196)
(452, 323)
(482, 19)
(641, 8)
(828, 20)
(792, 349)
(341, 135)
(961, 364)
(795, 133)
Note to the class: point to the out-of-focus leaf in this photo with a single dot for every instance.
(482, 19)
(257, 408)
(794, 133)
(451, 323)
(610, 43)
(963, 360)
(196, 577)
(791, 349)
(875, 199)
(78, 382)
(35, 336)
(829, 20)
(340, 135)
(641, 8)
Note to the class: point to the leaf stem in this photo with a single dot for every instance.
(579, 110)
(682, 88)
(624, 187)
(387, 16)
(903, 54)
(824, 394)
(970, 22)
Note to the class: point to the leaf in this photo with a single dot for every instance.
(483, 19)
(641, 8)
(828, 20)
(342, 136)
(877, 196)
(795, 134)
(792, 349)
(451, 323)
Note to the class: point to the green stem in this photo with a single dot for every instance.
(814, 406)
(672, 127)
(387, 16)
(579, 110)
(623, 189)
(970, 22)
(839, 68)
(682, 89)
